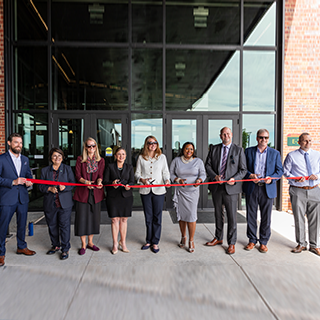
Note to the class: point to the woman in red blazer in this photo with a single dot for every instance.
(89, 170)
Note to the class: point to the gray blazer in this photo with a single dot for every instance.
(236, 167)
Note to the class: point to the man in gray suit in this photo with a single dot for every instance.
(225, 162)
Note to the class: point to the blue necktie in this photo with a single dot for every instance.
(223, 163)
(306, 157)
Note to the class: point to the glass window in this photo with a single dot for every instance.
(89, 21)
(90, 79)
(199, 80)
(147, 79)
(146, 21)
(214, 129)
(31, 78)
(252, 123)
(259, 81)
(259, 23)
(31, 20)
(215, 22)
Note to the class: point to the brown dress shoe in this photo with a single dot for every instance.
(298, 249)
(315, 251)
(231, 249)
(26, 252)
(1, 261)
(249, 246)
(214, 242)
(263, 248)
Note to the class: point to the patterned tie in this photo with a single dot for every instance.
(306, 157)
(223, 163)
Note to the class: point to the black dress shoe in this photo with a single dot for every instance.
(64, 255)
(53, 250)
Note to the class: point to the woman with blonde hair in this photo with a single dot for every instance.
(152, 168)
(89, 170)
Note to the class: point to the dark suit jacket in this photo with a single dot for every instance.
(82, 193)
(65, 196)
(273, 169)
(9, 194)
(236, 167)
(127, 177)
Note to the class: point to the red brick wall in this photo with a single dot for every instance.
(2, 102)
(301, 75)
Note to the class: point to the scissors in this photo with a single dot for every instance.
(152, 181)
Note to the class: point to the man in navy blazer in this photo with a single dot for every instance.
(262, 162)
(14, 169)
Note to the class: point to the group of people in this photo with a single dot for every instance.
(225, 166)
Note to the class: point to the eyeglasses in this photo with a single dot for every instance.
(57, 157)
(152, 142)
(261, 138)
(92, 146)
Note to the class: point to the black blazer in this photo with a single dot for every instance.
(65, 196)
(112, 173)
(236, 167)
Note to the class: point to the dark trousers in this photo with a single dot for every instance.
(152, 207)
(230, 202)
(259, 197)
(6, 213)
(58, 221)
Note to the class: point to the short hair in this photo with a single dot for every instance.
(53, 150)
(184, 146)
(14, 135)
(225, 128)
(261, 131)
(302, 135)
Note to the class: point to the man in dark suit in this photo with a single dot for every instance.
(14, 169)
(262, 162)
(225, 162)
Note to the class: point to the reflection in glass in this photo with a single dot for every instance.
(195, 79)
(31, 78)
(81, 82)
(252, 123)
(89, 21)
(183, 131)
(216, 22)
(71, 139)
(214, 127)
(147, 79)
(34, 131)
(146, 21)
(258, 81)
(260, 23)
(31, 20)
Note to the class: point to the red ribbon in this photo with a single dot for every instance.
(57, 183)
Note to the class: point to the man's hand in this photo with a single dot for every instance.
(268, 180)
(29, 183)
(19, 181)
(254, 176)
(231, 182)
(218, 178)
(302, 179)
(313, 177)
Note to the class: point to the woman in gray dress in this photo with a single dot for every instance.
(187, 168)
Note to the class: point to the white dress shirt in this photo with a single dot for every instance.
(154, 168)
(17, 162)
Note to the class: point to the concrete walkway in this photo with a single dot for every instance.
(172, 284)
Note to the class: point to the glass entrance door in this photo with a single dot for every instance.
(202, 130)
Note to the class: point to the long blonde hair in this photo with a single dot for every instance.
(145, 151)
(85, 152)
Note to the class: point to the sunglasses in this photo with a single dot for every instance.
(261, 138)
(92, 146)
(153, 142)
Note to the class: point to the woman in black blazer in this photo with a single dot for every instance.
(57, 202)
(119, 199)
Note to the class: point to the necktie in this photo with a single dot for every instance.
(223, 163)
(306, 157)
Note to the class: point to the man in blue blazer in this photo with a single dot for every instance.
(262, 162)
(14, 169)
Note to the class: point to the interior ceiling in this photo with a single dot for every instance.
(192, 85)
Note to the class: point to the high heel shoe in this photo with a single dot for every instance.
(182, 242)
(191, 247)
(114, 251)
(121, 248)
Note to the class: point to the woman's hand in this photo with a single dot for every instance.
(167, 182)
(99, 184)
(89, 182)
(53, 189)
(116, 182)
(180, 181)
(62, 187)
(198, 181)
(127, 187)
(145, 181)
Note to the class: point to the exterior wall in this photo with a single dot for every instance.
(301, 75)
(2, 102)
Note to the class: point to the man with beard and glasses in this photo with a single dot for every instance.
(14, 169)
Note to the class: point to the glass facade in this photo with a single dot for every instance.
(122, 70)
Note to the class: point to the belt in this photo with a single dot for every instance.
(261, 184)
(306, 188)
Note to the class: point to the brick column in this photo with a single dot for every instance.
(301, 75)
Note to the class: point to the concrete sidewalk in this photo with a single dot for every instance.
(172, 284)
